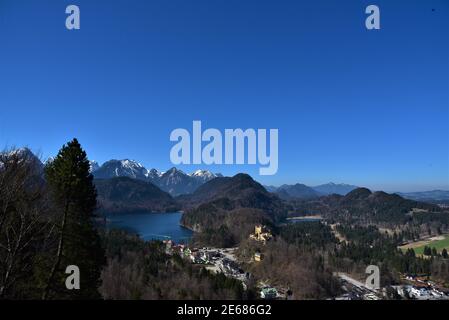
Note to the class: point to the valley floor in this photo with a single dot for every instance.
(439, 242)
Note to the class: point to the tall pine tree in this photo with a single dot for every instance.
(73, 193)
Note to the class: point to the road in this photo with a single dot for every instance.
(352, 281)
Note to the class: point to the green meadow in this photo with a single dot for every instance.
(438, 244)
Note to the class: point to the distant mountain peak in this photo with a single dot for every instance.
(298, 190)
(334, 188)
(23, 154)
(153, 174)
(131, 163)
(174, 171)
(205, 174)
(94, 166)
(201, 173)
(121, 168)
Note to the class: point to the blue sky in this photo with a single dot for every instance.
(369, 108)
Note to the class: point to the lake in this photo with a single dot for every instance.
(304, 219)
(152, 226)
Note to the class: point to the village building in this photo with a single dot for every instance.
(261, 234)
(258, 257)
(268, 293)
(168, 246)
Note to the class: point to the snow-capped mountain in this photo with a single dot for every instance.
(22, 155)
(174, 181)
(121, 168)
(205, 175)
(177, 182)
(27, 155)
(154, 174)
(94, 166)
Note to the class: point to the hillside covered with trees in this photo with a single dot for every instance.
(224, 210)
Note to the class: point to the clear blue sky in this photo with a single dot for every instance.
(369, 108)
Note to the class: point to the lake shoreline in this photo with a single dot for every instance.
(314, 217)
(152, 226)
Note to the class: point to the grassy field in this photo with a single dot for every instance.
(438, 242)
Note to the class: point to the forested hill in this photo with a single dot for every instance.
(226, 209)
(239, 191)
(123, 194)
(236, 187)
(364, 206)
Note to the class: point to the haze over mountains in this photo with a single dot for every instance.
(335, 188)
(434, 196)
(304, 192)
(301, 191)
(365, 206)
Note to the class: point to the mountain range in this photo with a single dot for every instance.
(173, 181)
(176, 182)
(334, 188)
(223, 210)
(301, 191)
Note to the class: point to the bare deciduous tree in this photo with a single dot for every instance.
(25, 227)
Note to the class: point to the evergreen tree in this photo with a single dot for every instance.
(410, 253)
(434, 252)
(73, 193)
(444, 253)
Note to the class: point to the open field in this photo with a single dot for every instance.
(440, 243)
